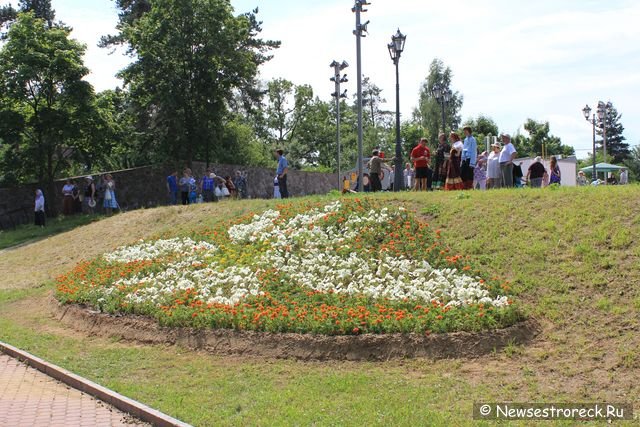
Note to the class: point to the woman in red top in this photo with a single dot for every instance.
(454, 182)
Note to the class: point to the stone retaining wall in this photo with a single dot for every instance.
(146, 187)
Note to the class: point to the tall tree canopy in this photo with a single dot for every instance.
(191, 57)
(43, 94)
(41, 9)
(617, 150)
(429, 112)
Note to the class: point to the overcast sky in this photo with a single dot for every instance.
(511, 59)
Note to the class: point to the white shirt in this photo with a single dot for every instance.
(39, 204)
(624, 178)
(458, 145)
(493, 165)
(507, 151)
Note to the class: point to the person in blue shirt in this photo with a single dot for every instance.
(281, 172)
(468, 158)
(172, 187)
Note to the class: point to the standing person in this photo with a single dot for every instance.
(624, 177)
(67, 201)
(536, 173)
(554, 171)
(240, 183)
(110, 202)
(183, 184)
(375, 171)
(77, 198)
(207, 186)
(193, 189)
(507, 156)
(480, 173)
(581, 180)
(39, 209)
(517, 175)
(172, 187)
(233, 193)
(421, 157)
(468, 158)
(281, 172)
(442, 162)
(408, 176)
(494, 179)
(454, 182)
(90, 194)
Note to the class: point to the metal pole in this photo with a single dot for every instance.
(338, 135)
(594, 176)
(358, 33)
(398, 183)
(444, 128)
(604, 142)
(336, 77)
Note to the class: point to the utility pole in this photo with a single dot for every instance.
(337, 79)
(359, 32)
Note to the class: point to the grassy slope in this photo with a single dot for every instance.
(572, 257)
(29, 233)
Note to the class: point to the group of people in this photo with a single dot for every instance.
(623, 179)
(458, 166)
(85, 198)
(81, 198)
(209, 188)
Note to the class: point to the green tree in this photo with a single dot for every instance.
(633, 163)
(429, 112)
(191, 57)
(41, 73)
(617, 149)
(539, 136)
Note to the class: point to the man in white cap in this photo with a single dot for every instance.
(507, 156)
(582, 180)
(536, 172)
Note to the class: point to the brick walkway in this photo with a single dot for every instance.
(30, 398)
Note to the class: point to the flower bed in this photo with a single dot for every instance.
(348, 267)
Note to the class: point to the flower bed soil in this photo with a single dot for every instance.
(225, 342)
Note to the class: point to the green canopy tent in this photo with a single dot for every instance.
(603, 167)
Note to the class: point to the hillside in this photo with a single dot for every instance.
(570, 254)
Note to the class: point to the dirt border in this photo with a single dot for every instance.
(296, 346)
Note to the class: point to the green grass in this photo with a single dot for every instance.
(567, 260)
(29, 232)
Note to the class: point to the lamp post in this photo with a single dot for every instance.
(586, 111)
(359, 32)
(442, 95)
(603, 113)
(337, 79)
(396, 47)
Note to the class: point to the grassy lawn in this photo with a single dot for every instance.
(29, 232)
(571, 255)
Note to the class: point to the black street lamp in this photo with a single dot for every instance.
(396, 47)
(442, 95)
(587, 113)
(337, 79)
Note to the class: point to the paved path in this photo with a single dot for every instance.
(30, 398)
